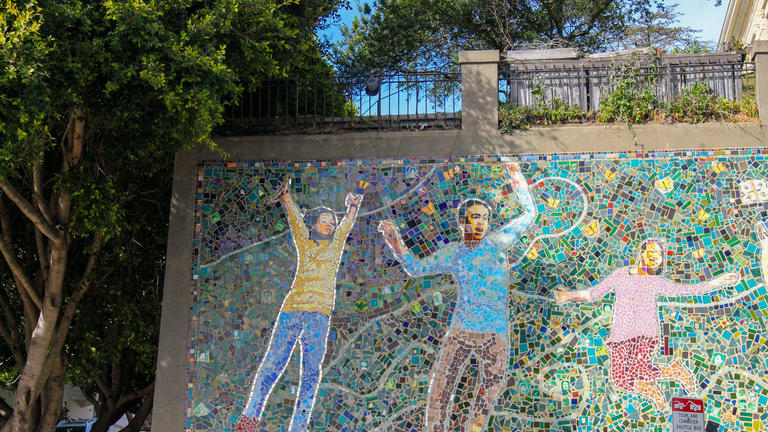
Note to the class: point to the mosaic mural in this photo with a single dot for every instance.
(574, 292)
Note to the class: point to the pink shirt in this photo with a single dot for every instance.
(635, 312)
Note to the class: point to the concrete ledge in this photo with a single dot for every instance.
(480, 56)
(759, 47)
(563, 139)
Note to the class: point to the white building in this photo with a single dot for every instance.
(746, 21)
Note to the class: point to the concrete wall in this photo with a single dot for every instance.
(231, 263)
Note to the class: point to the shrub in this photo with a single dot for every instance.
(698, 104)
(542, 113)
(628, 103)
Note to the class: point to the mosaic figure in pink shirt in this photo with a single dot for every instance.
(635, 331)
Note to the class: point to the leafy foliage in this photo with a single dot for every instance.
(698, 104)
(416, 34)
(95, 99)
(631, 105)
(628, 103)
(542, 113)
(660, 28)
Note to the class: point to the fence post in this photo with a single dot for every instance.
(479, 90)
(760, 57)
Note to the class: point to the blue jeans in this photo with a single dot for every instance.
(310, 329)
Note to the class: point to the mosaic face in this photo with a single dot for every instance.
(652, 257)
(325, 224)
(476, 222)
(600, 287)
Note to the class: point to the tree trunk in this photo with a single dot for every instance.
(39, 392)
(138, 419)
(111, 409)
(52, 399)
(33, 376)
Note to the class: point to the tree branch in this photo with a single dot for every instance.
(5, 409)
(138, 420)
(102, 387)
(42, 253)
(136, 394)
(114, 377)
(21, 278)
(5, 229)
(10, 333)
(6, 334)
(90, 398)
(37, 192)
(30, 212)
(10, 317)
(65, 320)
(85, 283)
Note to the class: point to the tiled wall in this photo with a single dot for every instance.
(387, 327)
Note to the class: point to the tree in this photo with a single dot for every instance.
(95, 98)
(112, 346)
(661, 29)
(407, 34)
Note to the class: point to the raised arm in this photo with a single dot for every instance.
(592, 293)
(437, 263)
(353, 207)
(507, 235)
(671, 289)
(762, 235)
(295, 219)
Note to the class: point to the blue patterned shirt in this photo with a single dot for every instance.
(481, 273)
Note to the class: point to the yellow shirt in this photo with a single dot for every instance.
(314, 286)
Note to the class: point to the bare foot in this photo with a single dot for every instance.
(684, 376)
(649, 390)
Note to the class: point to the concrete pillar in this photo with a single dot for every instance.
(479, 91)
(760, 57)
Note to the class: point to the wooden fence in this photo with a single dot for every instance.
(585, 81)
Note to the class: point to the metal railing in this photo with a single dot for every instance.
(585, 85)
(407, 100)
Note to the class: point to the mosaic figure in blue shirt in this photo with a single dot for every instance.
(480, 323)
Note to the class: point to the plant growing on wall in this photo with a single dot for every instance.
(627, 103)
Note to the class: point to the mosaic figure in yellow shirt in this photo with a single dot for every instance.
(306, 312)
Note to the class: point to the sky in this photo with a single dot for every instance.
(698, 14)
(703, 15)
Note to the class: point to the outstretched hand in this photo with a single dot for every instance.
(762, 232)
(728, 279)
(388, 228)
(562, 295)
(353, 200)
(391, 236)
(284, 189)
(516, 178)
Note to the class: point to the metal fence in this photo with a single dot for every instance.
(585, 83)
(407, 100)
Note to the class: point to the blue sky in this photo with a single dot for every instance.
(703, 15)
(697, 14)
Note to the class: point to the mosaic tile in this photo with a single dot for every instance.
(576, 292)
